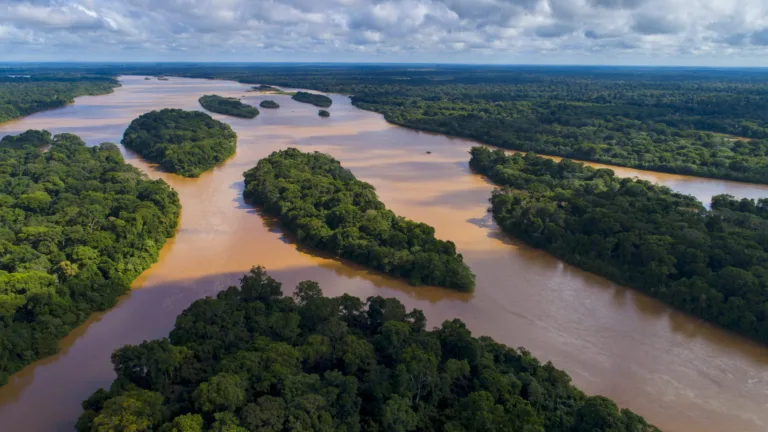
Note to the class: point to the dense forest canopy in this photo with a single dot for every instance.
(269, 104)
(658, 119)
(327, 208)
(77, 226)
(314, 99)
(30, 138)
(187, 143)
(21, 96)
(253, 360)
(228, 106)
(710, 263)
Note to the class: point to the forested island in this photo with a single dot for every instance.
(710, 263)
(327, 208)
(323, 113)
(187, 143)
(77, 226)
(23, 96)
(269, 104)
(227, 105)
(314, 99)
(253, 360)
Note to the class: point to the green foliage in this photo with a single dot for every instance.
(228, 106)
(318, 100)
(381, 371)
(22, 96)
(31, 138)
(269, 104)
(323, 113)
(187, 143)
(77, 226)
(327, 208)
(710, 263)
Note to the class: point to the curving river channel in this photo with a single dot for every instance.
(681, 374)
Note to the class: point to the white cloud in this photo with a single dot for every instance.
(389, 30)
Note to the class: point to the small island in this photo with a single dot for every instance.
(264, 87)
(187, 143)
(314, 99)
(323, 113)
(252, 359)
(327, 208)
(270, 104)
(162, 78)
(228, 106)
(147, 78)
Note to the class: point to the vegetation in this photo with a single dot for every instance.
(264, 87)
(22, 96)
(30, 138)
(323, 113)
(327, 208)
(77, 226)
(252, 360)
(269, 104)
(187, 143)
(314, 99)
(710, 263)
(657, 119)
(228, 106)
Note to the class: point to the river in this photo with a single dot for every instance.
(680, 373)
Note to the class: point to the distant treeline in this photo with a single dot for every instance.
(327, 208)
(77, 226)
(22, 96)
(710, 263)
(228, 106)
(187, 143)
(253, 360)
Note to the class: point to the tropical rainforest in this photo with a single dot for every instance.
(327, 208)
(228, 106)
(77, 226)
(710, 263)
(269, 104)
(254, 360)
(24, 95)
(187, 143)
(314, 99)
(702, 122)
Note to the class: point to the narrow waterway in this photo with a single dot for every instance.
(681, 374)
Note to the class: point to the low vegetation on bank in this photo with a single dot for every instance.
(228, 106)
(270, 104)
(23, 96)
(77, 226)
(253, 360)
(710, 263)
(317, 100)
(187, 143)
(327, 208)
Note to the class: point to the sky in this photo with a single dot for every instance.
(637, 32)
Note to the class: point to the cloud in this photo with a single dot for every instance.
(386, 30)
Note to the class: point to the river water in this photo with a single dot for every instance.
(680, 373)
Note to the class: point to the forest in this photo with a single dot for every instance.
(323, 113)
(710, 263)
(228, 106)
(187, 143)
(77, 226)
(269, 104)
(252, 359)
(659, 119)
(327, 208)
(21, 96)
(314, 99)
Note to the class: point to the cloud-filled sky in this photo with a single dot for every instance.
(687, 32)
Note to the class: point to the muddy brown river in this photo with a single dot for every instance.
(680, 373)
